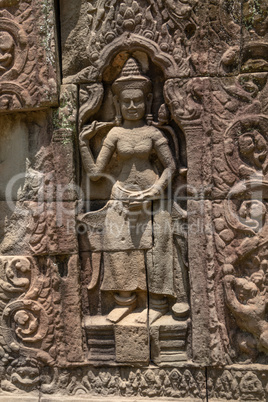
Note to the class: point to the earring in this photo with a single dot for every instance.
(149, 119)
(118, 120)
(118, 116)
(149, 116)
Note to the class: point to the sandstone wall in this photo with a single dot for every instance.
(133, 219)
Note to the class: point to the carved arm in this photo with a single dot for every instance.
(231, 300)
(230, 295)
(94, 169)
(165, 156)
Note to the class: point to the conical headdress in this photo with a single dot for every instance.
(131, 78)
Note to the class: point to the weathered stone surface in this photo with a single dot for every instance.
(164, 25)
(238, 384)
(196, 34)
(132, 340)
(117, 399)
(168, 340)
(64, 144)
(28, 64)
(132, 384)
(133, 215)
(37, 198)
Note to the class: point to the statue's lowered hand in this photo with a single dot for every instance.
(146, 195)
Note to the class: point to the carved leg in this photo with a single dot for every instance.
(126, 303)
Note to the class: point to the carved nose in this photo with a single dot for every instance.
(132, 105)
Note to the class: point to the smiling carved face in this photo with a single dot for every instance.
(132, 104)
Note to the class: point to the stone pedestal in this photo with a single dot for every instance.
(100, 339)
(168, 340)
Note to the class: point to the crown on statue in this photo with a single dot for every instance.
(131, 78)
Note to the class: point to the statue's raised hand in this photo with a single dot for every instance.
(92, 129)
(88, 131)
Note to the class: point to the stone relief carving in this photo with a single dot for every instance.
(133, 382)
(253, 13)
(241, 238)
(32, 327)
(135, 227)
(239, 177)
(27, 82)
(176, 27)
(165, 22)
(156, 96)
(246, 146)
(232, 384)
(249, 86)
(184, 101)
(26, 323)
(255, 17)
(245, 278)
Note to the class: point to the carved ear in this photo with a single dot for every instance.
(118, 116)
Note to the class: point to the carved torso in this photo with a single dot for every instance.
(134, 148)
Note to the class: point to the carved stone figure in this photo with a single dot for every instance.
(138, 196)
(248, 304)
(133, 187)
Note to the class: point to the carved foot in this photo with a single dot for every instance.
(154, 315)
(126, 303)
(118, 313)
(142, 317)
(158, 307)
